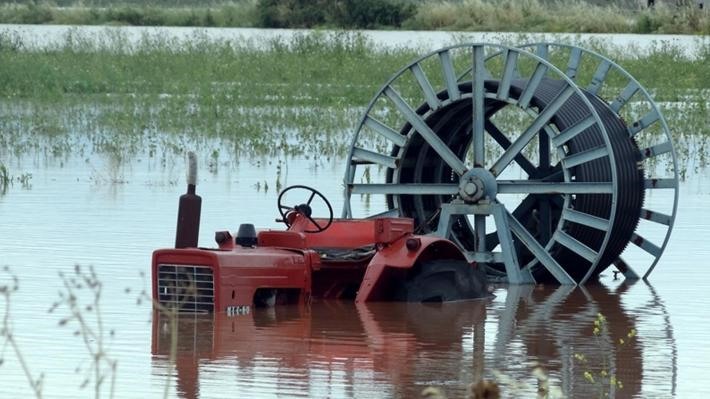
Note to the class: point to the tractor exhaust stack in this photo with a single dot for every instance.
(188, 222)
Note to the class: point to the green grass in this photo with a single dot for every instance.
(559, 16)
(300, 97)
(237, 13)
(577, 16)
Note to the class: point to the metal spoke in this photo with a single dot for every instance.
(658, 149)
(573, 64)
(532, 85)
(545, 211)
(510, 257)
(479, 228)
(361, 155)
(576, 246)
(656, 217)
(646, 121)
(585, 219)
(479, 116)
(646, 245)
(540, 187)
(386, 131)
(542, 119)
(318, 226)
(509, 70)
(405, 188)
(599, 77)
(660, 183)
(624, 97)
(503, 141)
(542, 50)
(452, 85)
(313, 194)
(625, 269)
(555, 174)
(425, 131)
(525, 206)
(429, 93)
(572, 131)
(543, 146)
(579, 158)
(539, 251)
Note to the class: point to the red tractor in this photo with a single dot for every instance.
(314, 258)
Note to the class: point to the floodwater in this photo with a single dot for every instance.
(75, 213)
(89, 209)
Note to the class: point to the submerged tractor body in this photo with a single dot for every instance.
(377, 259)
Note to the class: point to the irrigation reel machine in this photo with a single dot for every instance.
(530, 164)
(536, 160)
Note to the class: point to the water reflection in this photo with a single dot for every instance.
(338, 349)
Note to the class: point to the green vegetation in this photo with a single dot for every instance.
(562, 16)
(339, 13)
(240, 13)
(5, 178)
(242, 93)
(277, 98)
(470, 15)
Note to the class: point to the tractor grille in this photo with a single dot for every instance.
(187, 288)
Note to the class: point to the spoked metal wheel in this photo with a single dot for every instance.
(508, 156)
(627, 98)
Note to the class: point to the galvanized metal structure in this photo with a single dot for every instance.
(522, 156)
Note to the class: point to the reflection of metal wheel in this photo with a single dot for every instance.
(443, 281)
(581, 197)
(554, 324)
(304, 208)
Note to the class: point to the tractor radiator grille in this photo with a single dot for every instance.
(188, 288)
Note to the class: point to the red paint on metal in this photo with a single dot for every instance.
(389, 263)
(294, 260)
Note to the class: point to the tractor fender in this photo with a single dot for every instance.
(396, 258)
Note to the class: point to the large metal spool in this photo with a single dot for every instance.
(524, 156)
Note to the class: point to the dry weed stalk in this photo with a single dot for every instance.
(7, 333)
(92, 332)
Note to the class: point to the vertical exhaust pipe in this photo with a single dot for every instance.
(188, 222)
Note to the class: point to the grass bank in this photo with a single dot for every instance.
(469, 15)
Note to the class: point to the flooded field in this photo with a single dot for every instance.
(92, 187)
(75, 212)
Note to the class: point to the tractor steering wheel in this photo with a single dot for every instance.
(305, 208)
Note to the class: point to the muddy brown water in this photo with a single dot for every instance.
(92, 212)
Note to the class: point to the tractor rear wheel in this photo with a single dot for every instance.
(443, 280)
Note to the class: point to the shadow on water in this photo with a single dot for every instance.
(339, 349)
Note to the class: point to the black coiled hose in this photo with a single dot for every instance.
(453, 124)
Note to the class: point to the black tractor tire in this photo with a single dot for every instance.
(443, 280)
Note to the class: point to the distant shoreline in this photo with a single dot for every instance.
(534, 16)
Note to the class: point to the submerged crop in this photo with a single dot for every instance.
(301, 96)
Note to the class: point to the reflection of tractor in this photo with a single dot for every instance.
(365, 347)
(554, 146)
(279, 348)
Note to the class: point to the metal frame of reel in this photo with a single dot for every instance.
(523, 73)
